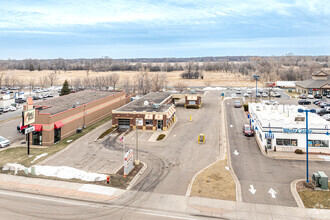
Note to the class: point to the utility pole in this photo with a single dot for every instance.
(137, 147)
(256, 77)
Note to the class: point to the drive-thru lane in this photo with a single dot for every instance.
(264, 174)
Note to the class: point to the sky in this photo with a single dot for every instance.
(44, 29)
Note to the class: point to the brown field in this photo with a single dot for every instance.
(210, 78)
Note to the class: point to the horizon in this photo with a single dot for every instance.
(170, 29)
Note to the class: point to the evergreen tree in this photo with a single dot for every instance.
(65, 88)
(31, 67)
(39, 68)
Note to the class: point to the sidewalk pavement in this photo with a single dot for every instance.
(294, 156)
(194, 206)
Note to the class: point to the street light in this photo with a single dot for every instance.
(256, 77)
(326, 127)
(301, 111)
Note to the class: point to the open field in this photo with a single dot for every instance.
(210, 78)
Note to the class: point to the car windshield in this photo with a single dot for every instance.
(247, 128)
(2, 139)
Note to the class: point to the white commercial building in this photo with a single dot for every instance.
(283, 128)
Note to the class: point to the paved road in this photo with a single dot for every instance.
(15, 205)
(8, 129)
(252, 168)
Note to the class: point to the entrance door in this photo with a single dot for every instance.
(37, 138)
(269, 144)
(160, 125)
(57, 135)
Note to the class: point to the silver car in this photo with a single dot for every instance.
(237, 104)
(4, 142)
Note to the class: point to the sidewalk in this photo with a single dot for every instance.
(193, 206)
(294, 156)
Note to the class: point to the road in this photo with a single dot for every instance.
(252, 168)
(16, 205)
(8, 129)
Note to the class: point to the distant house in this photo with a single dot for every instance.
(318, 84)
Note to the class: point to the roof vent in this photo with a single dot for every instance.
(155, 106)
(146, 103)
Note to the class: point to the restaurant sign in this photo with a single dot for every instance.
(296, 130)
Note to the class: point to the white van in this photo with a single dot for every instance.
(238, 91)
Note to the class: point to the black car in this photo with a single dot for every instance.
(304, 102)
(318, 96)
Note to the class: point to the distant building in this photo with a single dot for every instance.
(286, 84)
(319, 84)
(60, 117)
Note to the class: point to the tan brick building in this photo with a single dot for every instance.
(60, 117)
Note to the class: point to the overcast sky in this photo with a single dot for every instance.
(172, 28)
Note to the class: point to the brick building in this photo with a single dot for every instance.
(60, 117)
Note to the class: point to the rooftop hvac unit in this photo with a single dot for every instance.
(155, 106)
(320, 179)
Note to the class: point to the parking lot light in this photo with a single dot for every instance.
(326, 127)
(300, 110)
(256, 77)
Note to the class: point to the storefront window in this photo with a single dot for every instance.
(286, 142)
(318, 143)
(149, 122)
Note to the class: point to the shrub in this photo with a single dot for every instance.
(298, 151)
(246, 107)
(160, 137)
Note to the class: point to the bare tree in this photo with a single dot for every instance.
(127, 85)
(31, 84)
(7, 80)
(76, 83)
(2, 74)
(143, 81)
(13, 81)
(20, 84)
(159, 82)
(43, 81)
(180, 86)
(52, 77)
(207, 83)
(114, 80)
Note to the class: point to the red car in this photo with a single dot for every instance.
(247, 130)
(20, 128)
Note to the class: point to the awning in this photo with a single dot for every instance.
(159, 117)
(58, 124)
(37, 127)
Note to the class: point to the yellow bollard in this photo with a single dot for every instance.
(190, 118)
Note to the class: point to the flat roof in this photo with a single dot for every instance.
(66, 102)
(152, 98)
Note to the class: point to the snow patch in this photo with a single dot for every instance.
(39, 156)
(214, 88)
(62, 172)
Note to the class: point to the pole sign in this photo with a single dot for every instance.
(29, 130)
(128, 162)
(29, 117)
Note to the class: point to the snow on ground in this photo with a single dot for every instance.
(62, 172)
(39, 156)
(214, 88)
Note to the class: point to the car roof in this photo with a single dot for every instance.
(246, 125)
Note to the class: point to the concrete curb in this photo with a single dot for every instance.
(188, 192)
(100, 140)
(238, 185)
(137, 176)
(293, 187)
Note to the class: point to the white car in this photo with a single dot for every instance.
(248, 91)
(246, 94)
(238, 91)
(310, 96)
(6, 109)
(4, 142)
(272, 102)
(264, 94)
(12, 108)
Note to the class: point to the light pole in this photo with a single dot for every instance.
(301, 111)
(256, 77)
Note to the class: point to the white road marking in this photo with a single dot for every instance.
(252, 190)
(227, 168)
(236, 152)
(326, 158)
(272, 192)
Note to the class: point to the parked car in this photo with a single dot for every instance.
(6, 109)
(246, 94)
(50, 95)
(304, 102)
(258, 94)
(324, 104)
(322, 111)
(1, 109)
(238, 91)
(247, 130)
(237, 104)
(318, 96)
(272, 102)
(303, 96)
(310, 96)
(4, 142)
(248, 91)
(35, 97)
(277, 95)
(20, 128)
(264, 94)
(12, 108)
(326, 117)
(328, 96)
